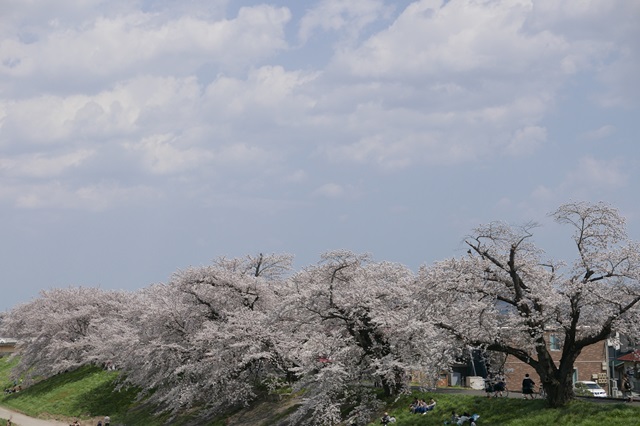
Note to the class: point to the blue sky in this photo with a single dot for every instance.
(141, 137)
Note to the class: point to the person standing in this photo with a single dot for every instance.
(527, 386)
(626, 388)
(106, 421)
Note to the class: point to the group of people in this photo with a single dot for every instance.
(16, 387)
(494, 386)
(13, 389)
(497, 385)
(105, 422)
(420, 406)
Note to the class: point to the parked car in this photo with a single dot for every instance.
(586, 388)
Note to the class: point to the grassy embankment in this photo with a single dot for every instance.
(88, 393)
(515, 412)
(85, 393)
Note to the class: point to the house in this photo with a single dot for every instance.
(591, 365)
(629, 364)
(7, 345)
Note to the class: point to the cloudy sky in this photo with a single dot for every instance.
(139, 137)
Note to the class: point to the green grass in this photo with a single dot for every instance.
(513, 412)
(86, 392)
(6, 365)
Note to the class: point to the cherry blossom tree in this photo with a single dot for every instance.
(357, 324)
(56, 332)
(505, 297)
(208, 338)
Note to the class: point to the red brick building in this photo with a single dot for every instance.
(591, 365)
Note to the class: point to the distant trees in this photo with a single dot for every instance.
(217, 336)
(505, 297)
(58, 331)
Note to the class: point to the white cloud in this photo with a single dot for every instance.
(39, 166)
(59, 195)
(141, 43)
(298, 176)
(600, 133)
(460, 36)
(52, 119)
(603, 35)
(161, 154)
(590, 178)
(543, 194)
(526, 141)
(596, 173)
(340, 15)
(265, 87)
(446, 83)
(620, 77)
(331, 190)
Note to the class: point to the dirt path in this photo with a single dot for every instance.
(22, 420)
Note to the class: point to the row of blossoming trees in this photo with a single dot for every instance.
(215, 337)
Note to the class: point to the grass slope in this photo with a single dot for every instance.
(84, 393)
(514, 412)
(87, 392)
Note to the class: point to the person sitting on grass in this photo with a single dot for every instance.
(417, 406)
(413, 405)
(466, 417)
(430, 406)
(423, 407)
(386, 419)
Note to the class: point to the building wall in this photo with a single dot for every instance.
(7, 346)
(6, 349)
(591, 365)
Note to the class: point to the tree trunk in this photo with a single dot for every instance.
(558, 388)
(395, 386)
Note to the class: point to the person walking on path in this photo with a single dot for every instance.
(527, 387)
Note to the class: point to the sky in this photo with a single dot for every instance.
(140, 137)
